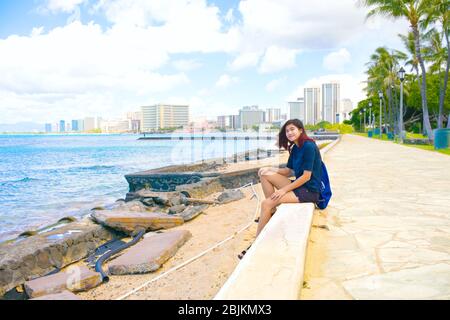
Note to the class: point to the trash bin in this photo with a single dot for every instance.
(370, 133)
(376, 131)
(442, 139)
(390, 136)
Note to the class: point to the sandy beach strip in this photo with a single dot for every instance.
(202, 278)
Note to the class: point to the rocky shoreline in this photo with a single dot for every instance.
(42, 257)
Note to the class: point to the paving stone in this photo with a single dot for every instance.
(130, 222)
(344, 265)
(73, 279)
(415, 255)
(64, 295)
(149, 254)
(427, 282)
(372, 239)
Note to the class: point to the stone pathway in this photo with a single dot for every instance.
(388, 221)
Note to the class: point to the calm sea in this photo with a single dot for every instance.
(46, 177)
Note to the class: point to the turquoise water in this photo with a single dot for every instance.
(46, 177)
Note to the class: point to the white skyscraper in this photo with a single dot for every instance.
(273, 114)
(330, 101)
(297, 109)
(164, 116)
(312, 105)
(250, 116)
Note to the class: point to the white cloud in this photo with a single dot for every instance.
(335, 61)
(229, 17)
(277, 59)
(67, 6)
(272, 85)
(186, 65)
(245, 60)
(225, 80)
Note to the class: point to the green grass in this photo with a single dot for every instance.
(364, 134)
(409, 135)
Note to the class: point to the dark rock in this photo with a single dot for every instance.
(177, 209)
(230, 195)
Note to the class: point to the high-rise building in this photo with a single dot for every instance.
(62, 126)
(48, 127)
(162, 116)
(75, 125)
(345, 109)
(80, 125)
(297, 109)
(116, 126)
(250, 116)
(330, 101)
(136, 120)
(273, 114)
(312, 105)
(89, 124)
(228, 122)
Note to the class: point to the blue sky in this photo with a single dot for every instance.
(67, 59)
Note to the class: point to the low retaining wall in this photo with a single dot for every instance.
(273, 267)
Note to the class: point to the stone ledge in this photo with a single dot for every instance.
(74, 279)
(150, 253)
(273, 266)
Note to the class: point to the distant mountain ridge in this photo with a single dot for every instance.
(22, 127)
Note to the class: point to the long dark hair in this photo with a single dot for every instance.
(283, 141)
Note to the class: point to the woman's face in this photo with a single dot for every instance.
(293, 133)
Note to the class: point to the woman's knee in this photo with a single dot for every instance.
(268, 204)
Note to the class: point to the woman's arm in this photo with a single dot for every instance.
(305, 177)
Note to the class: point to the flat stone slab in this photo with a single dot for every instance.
(130, 222)
(64, 295)
(149, 254)
(74, 279)
(427, 282)
(192, 212)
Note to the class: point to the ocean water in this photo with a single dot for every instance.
(46, 177)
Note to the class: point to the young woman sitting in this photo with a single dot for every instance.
(304, 162)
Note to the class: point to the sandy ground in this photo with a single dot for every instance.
(204, 277)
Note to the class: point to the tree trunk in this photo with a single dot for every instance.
(423, 88)
(442, 95)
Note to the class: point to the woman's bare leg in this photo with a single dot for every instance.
(271, 180)
(268, 204)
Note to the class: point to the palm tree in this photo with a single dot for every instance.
(382, 75)
(439, 13)
(437, 55)
(415, 11)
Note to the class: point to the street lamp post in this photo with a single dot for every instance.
(380, 95)
(370, 113)
(364, 110)
(360, 121)
(401, 75)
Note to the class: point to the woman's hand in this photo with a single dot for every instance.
(278, 194)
